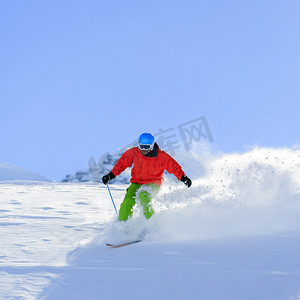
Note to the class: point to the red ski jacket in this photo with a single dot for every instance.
(147, 169)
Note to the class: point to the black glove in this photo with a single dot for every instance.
(108, 177)
(186, 180)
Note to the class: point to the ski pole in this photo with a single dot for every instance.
(111, 198)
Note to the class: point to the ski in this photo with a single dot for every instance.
(123, 244)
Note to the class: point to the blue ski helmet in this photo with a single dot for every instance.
(146, 141)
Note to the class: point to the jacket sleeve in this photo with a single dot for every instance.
(123, 163)
(172, 166)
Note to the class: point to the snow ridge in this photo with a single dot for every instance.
(105, 164)
(11, 172)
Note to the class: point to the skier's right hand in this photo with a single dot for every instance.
(108, 177)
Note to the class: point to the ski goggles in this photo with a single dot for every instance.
(146, 146)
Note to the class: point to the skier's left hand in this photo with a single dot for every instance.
(187, 181)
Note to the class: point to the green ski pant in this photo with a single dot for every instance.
(143, 192)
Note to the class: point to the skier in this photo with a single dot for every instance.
(149, 164)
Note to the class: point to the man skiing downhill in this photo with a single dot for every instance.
(149, 164)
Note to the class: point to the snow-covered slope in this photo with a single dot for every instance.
(12, 172)
(235, 234)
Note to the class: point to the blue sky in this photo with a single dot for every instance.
(80, 78)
